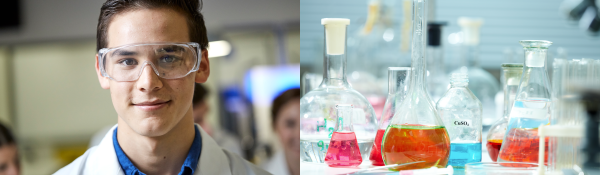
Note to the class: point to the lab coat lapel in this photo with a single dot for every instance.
(213, 160)
(104, 159)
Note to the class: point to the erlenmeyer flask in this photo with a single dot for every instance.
(398, 81)
(511, 76)
(343, 148)
(317, 107)
(416, 132)
(530, 109)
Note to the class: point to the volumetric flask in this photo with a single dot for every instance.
(530, 109)
(493, 168)
(317, 107)
(416, 132)
(343, 148)
(511, 76)
(398, 81)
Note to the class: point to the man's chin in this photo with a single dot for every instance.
(152, 129)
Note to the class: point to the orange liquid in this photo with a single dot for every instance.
(522, 145)
(493, 147)
(412, 143)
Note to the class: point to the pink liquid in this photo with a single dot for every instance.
(375, 156)
(343, 150)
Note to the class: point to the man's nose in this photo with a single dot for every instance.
(148, 80)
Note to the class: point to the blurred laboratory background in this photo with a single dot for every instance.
(480, 35)
(51, 99)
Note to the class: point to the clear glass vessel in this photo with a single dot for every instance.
(398, 81)
(482, 83)
(437, 81)
(317, 107)
(343, 148)
(511, 76)
(416, 132)
(530, 109)
(461, 112)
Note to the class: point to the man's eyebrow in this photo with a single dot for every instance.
(170, 49)
(123, 53)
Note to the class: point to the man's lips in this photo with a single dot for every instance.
(152, 105)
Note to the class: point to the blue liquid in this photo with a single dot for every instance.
(463, 153)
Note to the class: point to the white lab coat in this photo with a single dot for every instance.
(214, 160)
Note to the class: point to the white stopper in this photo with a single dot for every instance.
(335, 35)
(470, 27)
(535, 59)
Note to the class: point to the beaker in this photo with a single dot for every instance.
(531, 107)
(343, 148)
(416, 132)
(317, 107)
(398, 81)
(511, 76)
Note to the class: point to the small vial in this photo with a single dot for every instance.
(460, 110)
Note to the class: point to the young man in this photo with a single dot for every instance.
(150, 54)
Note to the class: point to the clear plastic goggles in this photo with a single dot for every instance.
(168, 60)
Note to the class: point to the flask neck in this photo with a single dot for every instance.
(344, 118)
(397, 78)
(418, 62)
(470, 54)
(335, 69)
(511, 79)
(535, 57)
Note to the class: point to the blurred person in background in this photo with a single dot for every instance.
(201, 108)
(286, 123)
(9, 157)
(147, 60)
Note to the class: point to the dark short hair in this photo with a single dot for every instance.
(281, 100)
(200, 93)
(6, 137)
(189, 8)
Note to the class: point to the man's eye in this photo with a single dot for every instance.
(168, 59)
(127, 62)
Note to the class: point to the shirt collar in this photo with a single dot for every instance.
(189, 165)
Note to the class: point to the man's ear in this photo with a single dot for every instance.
(104, 82)
(204, 71)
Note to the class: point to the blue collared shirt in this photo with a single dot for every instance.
(189, 165)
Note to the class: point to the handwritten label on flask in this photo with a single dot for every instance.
(529, 113)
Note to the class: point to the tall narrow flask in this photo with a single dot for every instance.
(482, 83)
(398, 80)
(530, 109)
(461, 112)
(416, 132)
(511, 76)
(343, 148)
(317, 107)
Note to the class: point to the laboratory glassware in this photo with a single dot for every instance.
(531, 107)
(437, 82)
(310, 81)
(317, 107)
(343, 148)
(398, 88)
(416, 132)
(511, 76)
(481, 82)
(494, 168)
(461, 112)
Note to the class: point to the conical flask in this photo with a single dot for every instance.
(398, 81)
(511, 76)
(343, 148)
(416, 132)
(530, 109)
(317, 107)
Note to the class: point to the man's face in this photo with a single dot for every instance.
(152, 106)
